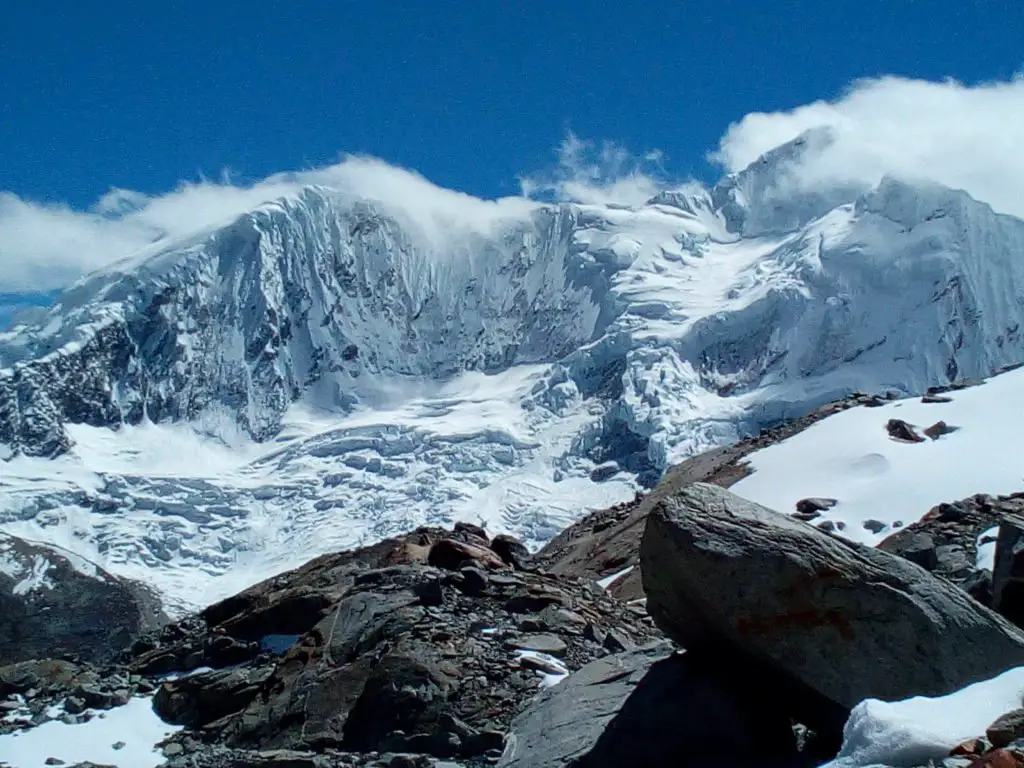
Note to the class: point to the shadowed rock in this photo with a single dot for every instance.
(649, 708)
(54, 603)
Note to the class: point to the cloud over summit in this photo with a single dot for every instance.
(963, 136)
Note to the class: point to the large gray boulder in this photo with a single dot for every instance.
(648, 708)
(54, 603)
(846, 621)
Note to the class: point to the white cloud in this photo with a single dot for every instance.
(45, 246)
(968, 137)
(965, 137)
(604, 174)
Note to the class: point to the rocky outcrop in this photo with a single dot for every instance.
(947, 540)
(843, 621)
(653, 707)
(54, 603)
(425, 644)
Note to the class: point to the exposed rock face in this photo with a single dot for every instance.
(54, 603)
(648, 708)
(720, 571)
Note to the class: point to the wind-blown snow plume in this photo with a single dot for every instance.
(46, 246)
(962, 136)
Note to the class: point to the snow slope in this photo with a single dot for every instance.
(328, 370)
(851, 458)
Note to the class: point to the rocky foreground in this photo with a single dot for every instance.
(691, 628)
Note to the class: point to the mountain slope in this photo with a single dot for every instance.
(327, 371)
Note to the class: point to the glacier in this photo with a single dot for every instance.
(326, 370)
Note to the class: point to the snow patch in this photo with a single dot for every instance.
(607, 581)
(986, 559)
(850, 457)
(908, 733)
(135, 724)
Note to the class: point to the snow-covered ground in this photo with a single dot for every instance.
(909, 733)
(850, 457)
(125, 736)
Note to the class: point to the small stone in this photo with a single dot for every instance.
(452, 555)
(969, 747)
(938, 429)
(815, 504)
(902, 431)
(74, 705)
(549, 644)
(118, 745)
(512, 551)
(920, 549)
(54, 761)
(471, 529)
(474, 581)
(120, 697)
(1006, 729)
(617, 642)
(173, 749)
(936, 399)
(541, 664)
(827, 526)
(875, 526)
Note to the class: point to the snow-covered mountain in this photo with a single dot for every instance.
(327, 370)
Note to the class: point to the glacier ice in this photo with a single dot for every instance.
(323, 371)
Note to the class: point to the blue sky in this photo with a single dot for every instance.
(471, 94)
(474, 95)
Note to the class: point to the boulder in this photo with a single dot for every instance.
(916, 547)
(1008, 573)
(197, 700)
(1006, 729)
(648, 708)
(54, 603)
(512, 552)
(842, 621)
(452, 555)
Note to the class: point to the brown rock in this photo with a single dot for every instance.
(968, 748)
(453, 555)
(938, 429)
(901, 430)
(998, 758)
(1006, 729)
